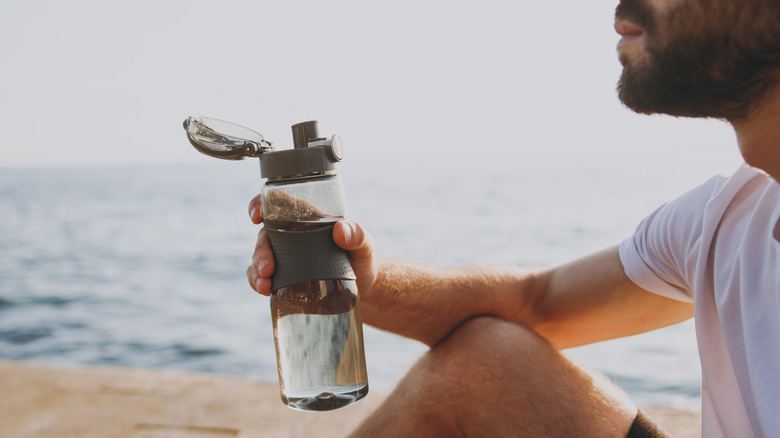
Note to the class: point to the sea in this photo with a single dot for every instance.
(144, 265)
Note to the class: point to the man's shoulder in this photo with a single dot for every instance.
(709, 201)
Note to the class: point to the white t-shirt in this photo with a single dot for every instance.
(714, 246)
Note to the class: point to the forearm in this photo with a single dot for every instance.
(591, 300)
(586, 301)
(426, 303)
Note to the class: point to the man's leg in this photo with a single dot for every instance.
(493, 378)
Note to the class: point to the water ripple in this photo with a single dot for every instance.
(24, 335)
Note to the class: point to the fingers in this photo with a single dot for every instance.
(258, 284)
(256, 210)
(259, 272)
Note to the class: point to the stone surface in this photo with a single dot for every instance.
(42, 401)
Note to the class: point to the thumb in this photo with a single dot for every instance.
(351, 237)
(360, 250)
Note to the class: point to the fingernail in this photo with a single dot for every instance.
(252, 213)
(348, 231)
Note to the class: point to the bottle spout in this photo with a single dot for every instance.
(305, 133)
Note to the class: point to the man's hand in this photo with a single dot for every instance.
(347, 235)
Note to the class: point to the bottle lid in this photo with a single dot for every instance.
(221, 139)
(311, 155)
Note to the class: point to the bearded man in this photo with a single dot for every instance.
(494, 367)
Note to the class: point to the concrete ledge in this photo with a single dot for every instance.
(44, 401)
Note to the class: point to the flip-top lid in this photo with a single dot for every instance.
(311, 154)
(221, 139)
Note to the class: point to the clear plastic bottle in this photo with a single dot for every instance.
(317, 325)
(315, 308)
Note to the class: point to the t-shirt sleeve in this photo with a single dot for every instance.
(661, 255)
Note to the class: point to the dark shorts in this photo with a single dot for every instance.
(644, 427)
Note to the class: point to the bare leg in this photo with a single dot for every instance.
(493, 378)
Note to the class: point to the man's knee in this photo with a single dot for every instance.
(494, 341)
(493, 373)
(494, 334)
(483, 355)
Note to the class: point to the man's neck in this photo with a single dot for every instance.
(759, 139)
(758, 135)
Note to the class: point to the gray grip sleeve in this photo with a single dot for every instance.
(302, 256)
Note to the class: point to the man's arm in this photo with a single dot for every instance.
(591, 299)
(585, 301)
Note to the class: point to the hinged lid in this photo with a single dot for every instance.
(221, 139)
(311, 155)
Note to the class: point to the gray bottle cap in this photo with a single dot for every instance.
(311, 156)
(297, 163)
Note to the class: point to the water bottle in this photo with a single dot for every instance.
(314, 298)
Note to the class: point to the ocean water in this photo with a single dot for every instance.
(144, 266)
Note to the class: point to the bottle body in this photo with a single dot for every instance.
(319, 345)
(317, 326)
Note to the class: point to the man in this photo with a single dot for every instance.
(494, 368)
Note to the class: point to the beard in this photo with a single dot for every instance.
(703, 58)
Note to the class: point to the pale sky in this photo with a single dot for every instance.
(97, 82)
